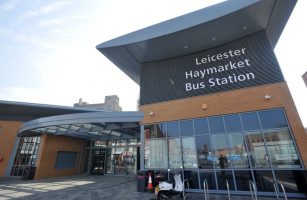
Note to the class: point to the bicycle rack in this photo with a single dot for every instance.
(206, 189)
(252, 189)
(183, 192)
(276, 183)
(227, 185)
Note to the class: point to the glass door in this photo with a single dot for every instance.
(99, 162)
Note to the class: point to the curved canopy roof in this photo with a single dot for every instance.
(92, 125)
(27, 111)
(197, 31)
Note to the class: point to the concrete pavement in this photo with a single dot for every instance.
(108, 187)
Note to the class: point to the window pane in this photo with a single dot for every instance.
(204, 152)
(264, 181)
(201, 126)
(219, 147)
(222, 176)
(154, 131)
(210, 177)
(66, 159)
(250, 121)
(293, 181)
(173, 129)
(174, 153)
(242, 179)
(155, 153)
(186, 128)
(281, 149)
(216, 125)
(189, 152)
(257, 152)
(161, 130)
(272, 119)
(238, 156)
(232, 123)
(192, 177)
(149, 132)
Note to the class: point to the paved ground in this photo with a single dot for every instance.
(108, 187)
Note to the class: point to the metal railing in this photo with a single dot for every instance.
(253, 190)
(228, 192)
(276, 183)
(206, 189)
(183, 192)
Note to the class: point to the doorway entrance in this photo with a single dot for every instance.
(123, 160)
(112, 157)
(98, 165)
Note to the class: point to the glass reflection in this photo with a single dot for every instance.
(272, 119)
(293, 181)
(173, 129)
(189, 152)
(238, 156)
(201, 126)
(222, 176)
(257, 153)
(220, 151)
(192, 177)
(204, 152)
(264, 181)
(216, 125)
(242, 179)
(210, 177)
(281, 149)
(232, 123)
(155, 153)
(250, 121)
(186, 128)
(174, 153)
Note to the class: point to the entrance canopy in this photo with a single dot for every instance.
(91, 126)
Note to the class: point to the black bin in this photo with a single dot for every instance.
(29, 173)
(141, 181)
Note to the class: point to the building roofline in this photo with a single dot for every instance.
(226, 22)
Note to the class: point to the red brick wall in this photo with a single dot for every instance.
(50, 145)
(8, 132)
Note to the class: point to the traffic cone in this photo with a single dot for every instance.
(149, 186)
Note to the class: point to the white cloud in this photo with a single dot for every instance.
(60, 21)
(9, 5)
(46, 9)
(33, 40)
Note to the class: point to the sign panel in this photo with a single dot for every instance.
(244, 63)
(286, 157)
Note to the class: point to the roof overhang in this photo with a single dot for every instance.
(29, 111)
(91, 126)
(197, 31)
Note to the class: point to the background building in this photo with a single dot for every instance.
(111, 103)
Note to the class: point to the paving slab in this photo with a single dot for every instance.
(83, 187)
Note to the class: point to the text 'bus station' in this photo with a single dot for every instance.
(213, 103)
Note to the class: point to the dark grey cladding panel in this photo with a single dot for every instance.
(244, 63)
(279, 18)
(124, 60)
(197, 31)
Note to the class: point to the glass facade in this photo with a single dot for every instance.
(255, 146)
(26, 155)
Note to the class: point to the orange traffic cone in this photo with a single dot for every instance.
(149, 186)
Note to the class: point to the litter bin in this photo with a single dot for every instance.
(141, 181)
(29, 173)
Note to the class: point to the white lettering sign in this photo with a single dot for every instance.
(286, 156)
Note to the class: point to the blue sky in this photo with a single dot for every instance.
(48, 52)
